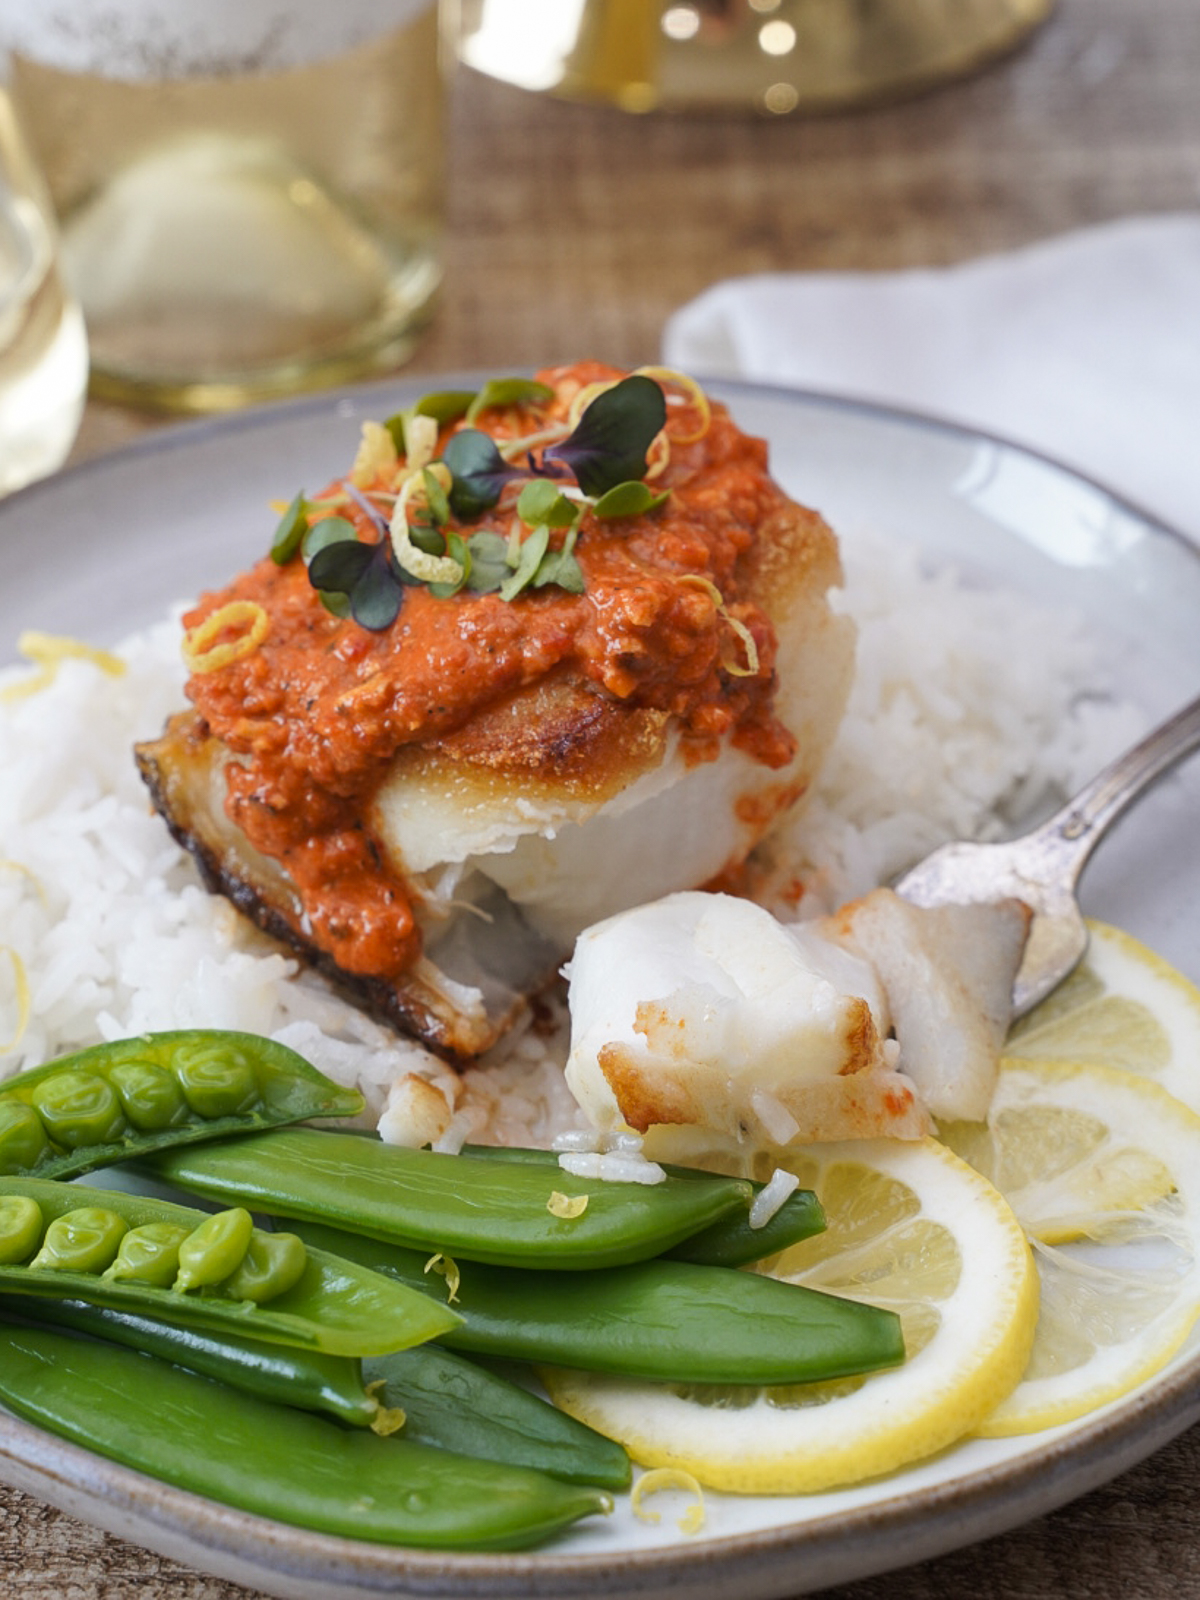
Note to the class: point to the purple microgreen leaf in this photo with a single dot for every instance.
(498, 392)
(631, 499)
(291, 528)
(530, 558)
(375, 598)
(478, 472)
(338, 566)
(614, 433)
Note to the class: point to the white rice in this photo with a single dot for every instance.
(971, 709)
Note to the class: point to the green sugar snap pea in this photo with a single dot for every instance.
(116, 1101)
(310, 1379)
(499, 1211)
(665, 1321)
(289, 1465)
(729, 1242)
(456, 1404)
(334, 1305)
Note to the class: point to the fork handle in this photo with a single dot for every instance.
(1083, 821)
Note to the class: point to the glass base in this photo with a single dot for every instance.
(771, 56)
(214, 272)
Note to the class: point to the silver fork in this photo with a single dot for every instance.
(1043, 867)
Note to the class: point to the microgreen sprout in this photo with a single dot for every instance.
(605, 453)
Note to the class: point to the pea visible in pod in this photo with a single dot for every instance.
(22, 1227)
(84, 1240)
(665, 1321)
(504, 1212)
(287, 1465)
(112, 1102)
(336, 1305)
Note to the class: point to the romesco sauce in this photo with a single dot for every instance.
(315, 713)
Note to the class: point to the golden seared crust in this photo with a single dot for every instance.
(561, 738)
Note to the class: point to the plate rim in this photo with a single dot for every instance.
(984, 1500)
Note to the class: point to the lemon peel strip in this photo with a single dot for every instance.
(201, 653)
(695, 394)
(419, 563)
(446, 1267)
(659, 1479)
(47, 652)
(752, 668)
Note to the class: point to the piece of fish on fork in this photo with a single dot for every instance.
(1043, 867)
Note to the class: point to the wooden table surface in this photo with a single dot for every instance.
(576, 230)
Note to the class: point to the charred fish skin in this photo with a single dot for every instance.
(175, 769)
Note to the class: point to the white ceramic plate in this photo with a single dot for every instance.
(102, 550)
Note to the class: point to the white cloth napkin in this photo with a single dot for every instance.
(1085, 347)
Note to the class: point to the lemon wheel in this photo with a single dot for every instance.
(910, 1227)
(1122, 1007)
(1103, 1169)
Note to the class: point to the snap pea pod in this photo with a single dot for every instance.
(495, 1211)
(335, 1305)
(456, 1404)
(292, 1466)
(115, 1101)
(309, 1379)
(666, 1321)
(729, 1242)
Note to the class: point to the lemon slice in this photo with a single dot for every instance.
(1122, 1007)
(1103, 1169)
(910, 1227)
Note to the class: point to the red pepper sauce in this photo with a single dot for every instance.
(316, 712)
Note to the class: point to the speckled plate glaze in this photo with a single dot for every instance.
(102, 550)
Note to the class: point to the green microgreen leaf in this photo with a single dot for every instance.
(614, 433)
(289, 531)
(338, 604)
(541, 501)
(489, 562)
(330, 530)
(562, 570)
(435, 498)
(498, 392)
(631, 499)
(478, 472)
(444, 405)
(456, 546)
(530, 558)
(427, 539)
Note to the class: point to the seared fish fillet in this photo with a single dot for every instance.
(556, 803)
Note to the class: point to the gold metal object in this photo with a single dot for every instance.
(773, 56)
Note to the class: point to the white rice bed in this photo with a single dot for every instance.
(970, 709)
